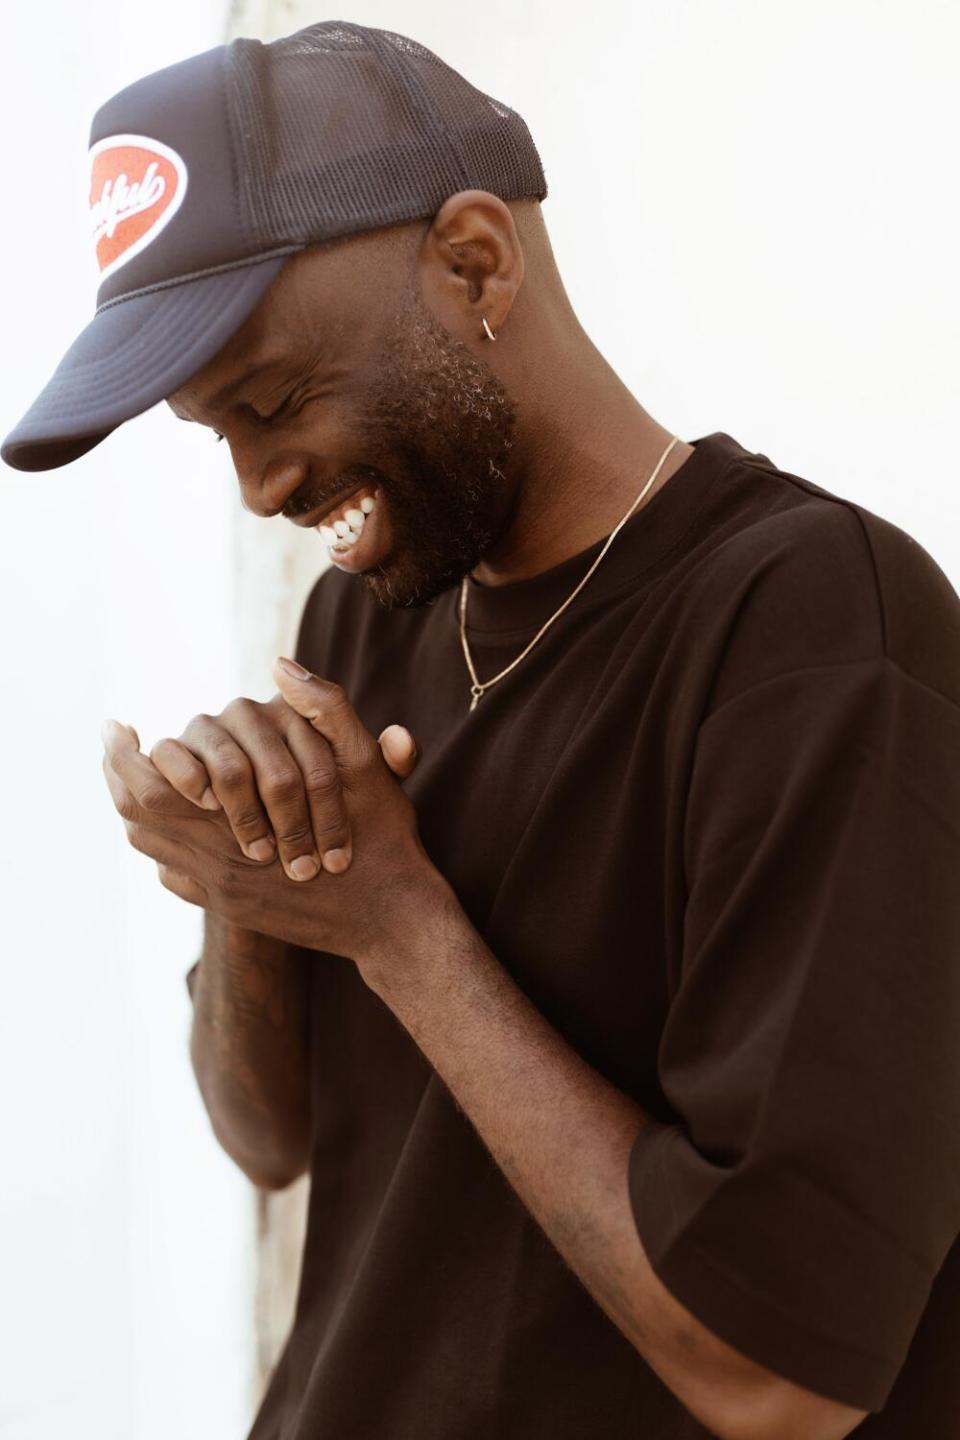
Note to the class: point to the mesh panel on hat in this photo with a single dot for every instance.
(342, 128)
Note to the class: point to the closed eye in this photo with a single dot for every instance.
(283, 410)
(261, 419)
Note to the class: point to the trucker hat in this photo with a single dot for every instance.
(207, 175)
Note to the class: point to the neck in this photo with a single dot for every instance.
(588, 448)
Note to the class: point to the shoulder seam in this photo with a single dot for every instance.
(808, 488)
(831, 665)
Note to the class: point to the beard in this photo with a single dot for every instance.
(444, 425)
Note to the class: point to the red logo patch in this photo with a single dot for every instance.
(137, 186)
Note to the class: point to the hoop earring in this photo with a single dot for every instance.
(490, 334)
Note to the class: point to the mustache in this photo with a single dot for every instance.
(311, 498)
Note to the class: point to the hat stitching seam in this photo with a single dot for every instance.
(231, 140)
(167, 345)
(428, 108)
(201, 274)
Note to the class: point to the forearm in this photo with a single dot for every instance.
(562, 1135)
(249, 1049)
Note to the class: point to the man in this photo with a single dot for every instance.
(610, 995)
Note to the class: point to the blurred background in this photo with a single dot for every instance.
(754, 206)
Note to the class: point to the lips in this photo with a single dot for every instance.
(339, 501)
(316, 517)
(367, 545)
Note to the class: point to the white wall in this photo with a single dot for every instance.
(754, 205)
(126, 1234)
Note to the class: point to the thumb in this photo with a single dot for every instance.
(399, 750)
(326, 706)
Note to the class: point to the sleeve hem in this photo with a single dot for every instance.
(737, 1312)
(765, 1334)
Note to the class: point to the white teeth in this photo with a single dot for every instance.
(347, 531)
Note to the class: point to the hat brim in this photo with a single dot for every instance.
(132, 355)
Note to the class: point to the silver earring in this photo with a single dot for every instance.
(490, 334)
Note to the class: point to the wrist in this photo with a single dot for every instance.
(419, 912)
(239, 941)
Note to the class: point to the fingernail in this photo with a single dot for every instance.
(304, 867)
(292, 668)
(399, 741)
(261, 849)
(336, 861)
(208, 800)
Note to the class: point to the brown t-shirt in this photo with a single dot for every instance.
(711, 825)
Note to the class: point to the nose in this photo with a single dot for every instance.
(265, 490)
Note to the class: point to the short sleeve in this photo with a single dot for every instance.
(804, 1200)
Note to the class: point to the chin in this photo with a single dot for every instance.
(400, 586)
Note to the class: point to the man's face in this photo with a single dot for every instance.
(363, 384)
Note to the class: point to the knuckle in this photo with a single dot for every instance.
(330, 827)
(153, 798)
(322, 782)
(280, 785)
(294, 834)
(200, 721)
(221, 742)
(251, 818)
(127, 808)
(241, 705)
(166, 746)
(335, 692)
(230, 773)
(370, 760)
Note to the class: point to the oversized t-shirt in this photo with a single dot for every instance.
(711, 826)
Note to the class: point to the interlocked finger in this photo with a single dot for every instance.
(136, 782)
(185, 772)
(233, 780)
(324, 793)
(261, 785)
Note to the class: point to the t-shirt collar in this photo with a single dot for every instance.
(657, 525)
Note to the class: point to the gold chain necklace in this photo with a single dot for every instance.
(477, 688)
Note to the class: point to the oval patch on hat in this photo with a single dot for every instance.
(137, 185)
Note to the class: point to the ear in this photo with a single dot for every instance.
(471, 264)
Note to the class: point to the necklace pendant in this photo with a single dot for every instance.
(476, 691)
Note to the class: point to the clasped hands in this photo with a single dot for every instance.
(240, 810)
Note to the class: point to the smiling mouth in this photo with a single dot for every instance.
(310, 519)
(346, 500)
(356, 532)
